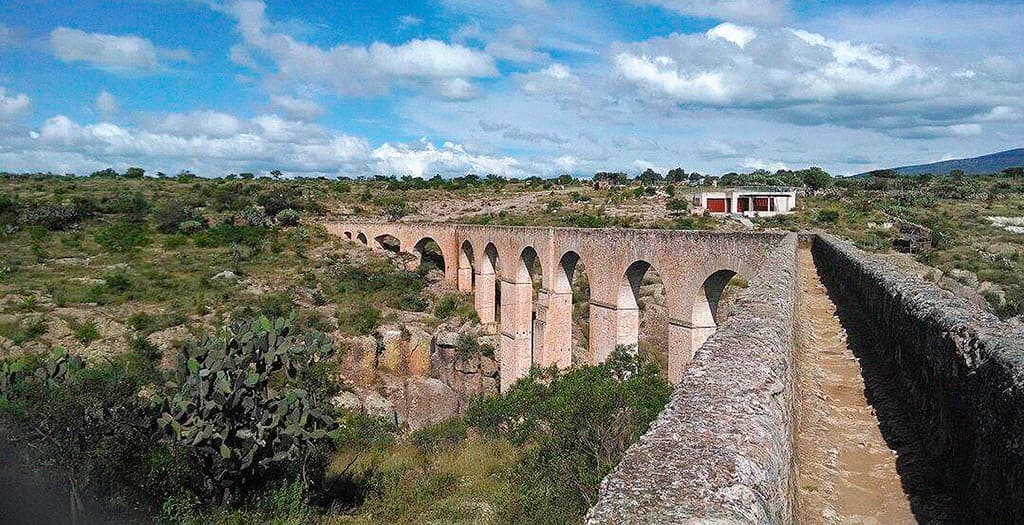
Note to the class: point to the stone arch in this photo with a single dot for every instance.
(361, 237)
(430, 252)
(388, 242)
(522, 321)
(559, 314)
(627, 307)
(466, 275)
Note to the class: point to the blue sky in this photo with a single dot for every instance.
(519, 88)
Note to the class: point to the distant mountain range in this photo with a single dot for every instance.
(983, 165)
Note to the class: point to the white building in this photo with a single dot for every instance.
(751, 202)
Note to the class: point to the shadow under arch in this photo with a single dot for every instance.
(361, 237)
(388, 242)
(430, 254)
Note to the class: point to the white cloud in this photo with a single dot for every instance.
(113, 52)
(408, 22)
(422, 158)
(456, 89)
(515, 44)
(758, 164)
(12, 105)
(739, 35)
(755, 11)
(808, 78)
(357, 70)
(197, 124)
(554, 80)
(106, 103)
(297, 108)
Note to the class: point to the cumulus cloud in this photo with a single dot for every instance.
(212, 143)
(555, 80)
(757, 11)
(297, 108)
(515, 44)
(12, 105)
(113, 52)
(197, 124)
(357, 70)
(805, 77)
(106, 103)
(456, 89)
(423, 158)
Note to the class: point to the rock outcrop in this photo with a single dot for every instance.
(413, 378)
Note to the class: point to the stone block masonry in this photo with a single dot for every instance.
(722, 450)
(960, 372)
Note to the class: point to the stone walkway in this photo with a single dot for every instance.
(847, 473)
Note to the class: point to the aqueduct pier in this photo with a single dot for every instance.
(536, 325)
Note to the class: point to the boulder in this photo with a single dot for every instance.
(391, 353)
(428, 401)
(226, 276)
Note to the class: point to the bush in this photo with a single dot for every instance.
(288, 217)
(439, 436)
(190, 227)
(279, 199)
(84, 332)
(124, 237)
(564, 418)
(362, 320)
(54, 217)
(829, 216)
(169, 217)
(224, 235)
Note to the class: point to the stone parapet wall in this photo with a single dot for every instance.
(722, 450)
(960, 366)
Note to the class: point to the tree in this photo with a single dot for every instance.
(134, 173)
(649, 176)
(676, 175)
(276, 174)
(246, 175)
(815, 179)
(1014, 172)
(394, 208)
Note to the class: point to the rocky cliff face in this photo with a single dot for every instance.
(415, 378)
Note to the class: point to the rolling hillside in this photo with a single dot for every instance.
(985, 164)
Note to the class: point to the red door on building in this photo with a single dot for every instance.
(717, 205)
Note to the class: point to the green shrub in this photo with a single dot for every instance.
(828, 216)
(190, 227)
(170, 215)
(563, 418)
(123, 237)
(362, 320)
(280, 198)
(118, 281)
(173, 242)
(53, 217)
(438, 436)
(84, 332)
(21, 332)
(288, 217)
(224, 235)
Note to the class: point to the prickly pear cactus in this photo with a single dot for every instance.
(232, 405)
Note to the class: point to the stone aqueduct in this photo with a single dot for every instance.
(498, 264)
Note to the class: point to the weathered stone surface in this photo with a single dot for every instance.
(721, 451)
(428, 401)
(959, 368)
(392, 349)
